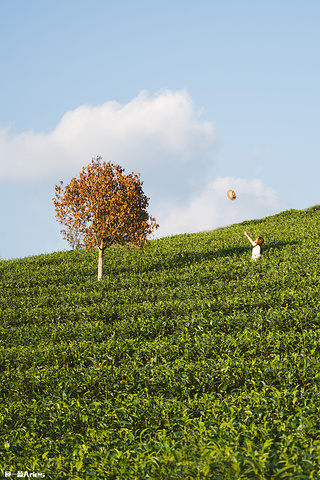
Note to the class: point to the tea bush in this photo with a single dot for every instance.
(186, 361)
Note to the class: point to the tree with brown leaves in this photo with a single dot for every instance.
(104, 208)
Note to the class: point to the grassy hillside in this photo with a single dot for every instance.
(186, 361)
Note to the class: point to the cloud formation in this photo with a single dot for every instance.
(148, 135)
(210, 208)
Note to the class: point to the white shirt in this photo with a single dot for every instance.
(256, 251)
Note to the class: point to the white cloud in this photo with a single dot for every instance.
(212, 209)
(150, 135)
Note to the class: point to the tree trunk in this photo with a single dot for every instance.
(100, 263)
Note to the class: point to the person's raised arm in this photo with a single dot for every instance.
(250, 239)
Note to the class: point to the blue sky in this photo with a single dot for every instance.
(198, 97)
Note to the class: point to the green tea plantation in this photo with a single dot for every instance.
(186, 361)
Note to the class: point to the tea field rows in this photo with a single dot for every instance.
(186, 361)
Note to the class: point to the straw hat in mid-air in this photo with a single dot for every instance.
(231, 194)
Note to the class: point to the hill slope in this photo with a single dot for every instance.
(186, 361)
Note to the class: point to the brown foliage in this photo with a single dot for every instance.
(104, 207)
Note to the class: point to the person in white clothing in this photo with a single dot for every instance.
(257, 247)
